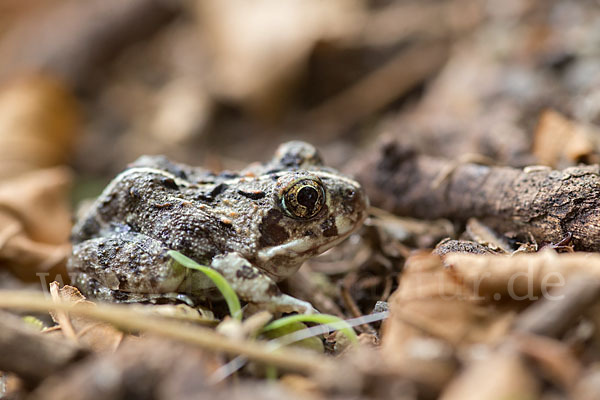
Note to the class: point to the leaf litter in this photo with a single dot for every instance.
(490, 287)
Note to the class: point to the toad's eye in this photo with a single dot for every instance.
(303, 199)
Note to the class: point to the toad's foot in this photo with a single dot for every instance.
(286, 303)
(254, 286)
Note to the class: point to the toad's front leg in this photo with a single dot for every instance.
(254, 286)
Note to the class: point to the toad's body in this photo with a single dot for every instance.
(256, 227)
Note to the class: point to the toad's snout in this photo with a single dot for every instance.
(354, 203)
(355, 199)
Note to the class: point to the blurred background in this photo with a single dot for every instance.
(88, 86)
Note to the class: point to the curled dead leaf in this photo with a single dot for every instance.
(432, 316)
(512, 380)
(523, 276)
(96, 335)
(560, 141)
(39, 119)
(35, 223)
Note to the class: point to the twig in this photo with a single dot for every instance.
(61, 317)
(124, 318)
(387, 289)
(353, 308)
(296, 336)
(548, 204)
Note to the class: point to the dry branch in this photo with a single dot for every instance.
(125, 318)
(547, 204)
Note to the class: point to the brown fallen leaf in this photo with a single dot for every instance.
(39, 120)
(588, 387)
(248, 38)
(512, 379)
(523, 276)
(432, 302)
(432, 316)
(96, 335)
(469, 304)
(35, 223)
(560, 142)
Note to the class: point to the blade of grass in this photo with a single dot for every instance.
(233, 302)
(238, 362)
(324, 319)
(124, 317)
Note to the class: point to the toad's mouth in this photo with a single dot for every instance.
(304, 248)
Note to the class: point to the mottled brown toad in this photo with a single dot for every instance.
(255, 227)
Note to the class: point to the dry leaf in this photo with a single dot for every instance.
(96, 335)
(38, 122)
(432, 315)
(431, 302)
(258, 48)
(39, 119)
(35, 222)
(588, 387)
(504, 375)
(558, 140)
(523, 276)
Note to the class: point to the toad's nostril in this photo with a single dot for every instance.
(349, 193)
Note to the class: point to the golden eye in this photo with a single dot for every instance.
(303, 199)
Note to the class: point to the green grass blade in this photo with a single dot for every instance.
(33, 322)
(323, 319)
(287, 331)
(233, 302)
(271, 373)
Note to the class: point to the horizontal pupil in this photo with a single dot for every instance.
(307, 196)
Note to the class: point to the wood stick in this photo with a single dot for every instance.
(208, 339)
(538, 201)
